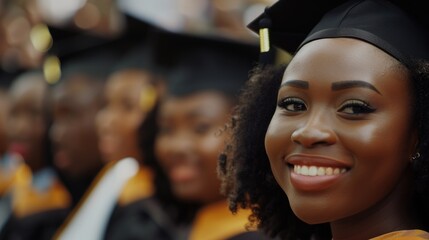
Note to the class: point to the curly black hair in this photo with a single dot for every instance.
(245, 169)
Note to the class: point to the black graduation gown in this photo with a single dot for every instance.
(143, 219)
(39, 208)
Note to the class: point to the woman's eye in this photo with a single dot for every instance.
(292, 104)
(356, 107)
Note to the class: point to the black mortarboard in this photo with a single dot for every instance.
(6, 78)
(96, 62)
(201, 63)
(140, 55)
(398, 27)
(85, 53)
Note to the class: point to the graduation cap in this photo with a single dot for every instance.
(6, 78)
(396, 27)
(200, 63)
(193, 61)
(96, 62)
(81, 52)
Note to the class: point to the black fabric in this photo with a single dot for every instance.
(252, 235)
(40, 226)
(6, 78)
(201, 63)
(397, 27)
(137, 58)
(292, 20)
(140, 220)
(89, 54)
(96, 62)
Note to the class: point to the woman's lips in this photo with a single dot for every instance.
(316, 160)
(183, 173)
(20, 149)
(315, 173)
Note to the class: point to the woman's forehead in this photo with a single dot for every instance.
(335, 53)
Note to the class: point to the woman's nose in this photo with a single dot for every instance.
(317, 130)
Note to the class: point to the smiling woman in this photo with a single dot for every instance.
(336, 144)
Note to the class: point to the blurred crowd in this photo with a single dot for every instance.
(111, 116)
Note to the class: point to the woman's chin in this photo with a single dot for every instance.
(312, 217)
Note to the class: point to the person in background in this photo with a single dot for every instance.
(93, 182)
(131, 93)
(39, 200)
(335, 144)
(9, 163)
(201, 95)
(76, 99)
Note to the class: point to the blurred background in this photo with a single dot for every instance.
(26, 35)
(67, 113)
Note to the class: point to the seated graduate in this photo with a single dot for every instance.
(206, 76)
(111, 173)
(9, 163)
(335, 144)
(39, 200)
(76, 99)
(132, 91)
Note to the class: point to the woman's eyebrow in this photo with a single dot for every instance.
(296, 83)
(353, 84)
(336, 86)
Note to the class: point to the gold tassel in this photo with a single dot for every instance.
(264, 39)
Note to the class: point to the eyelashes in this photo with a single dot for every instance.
(292, 104)
(354, 106)
(348, 107)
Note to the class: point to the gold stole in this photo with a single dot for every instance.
(138, 187)
(415, 234)
(216, 222)
(26, 200)
(89, 218)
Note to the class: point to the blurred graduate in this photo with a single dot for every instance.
(206, 75)
(38, 198)
(131, 94)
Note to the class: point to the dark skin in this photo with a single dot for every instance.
(187, 145)
(354, 115)
(4, 112)
(118, 121)
(75, 104)
(27, 124)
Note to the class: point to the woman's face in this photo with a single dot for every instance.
(27, 124)
(341, 136)
(118, 121)
(75, 103)
(188, 147)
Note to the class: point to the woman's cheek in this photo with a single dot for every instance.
(276, 138)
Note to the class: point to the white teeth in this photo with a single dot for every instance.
(317, 171)
(304, 170)
(312, 171)
(321, 171)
